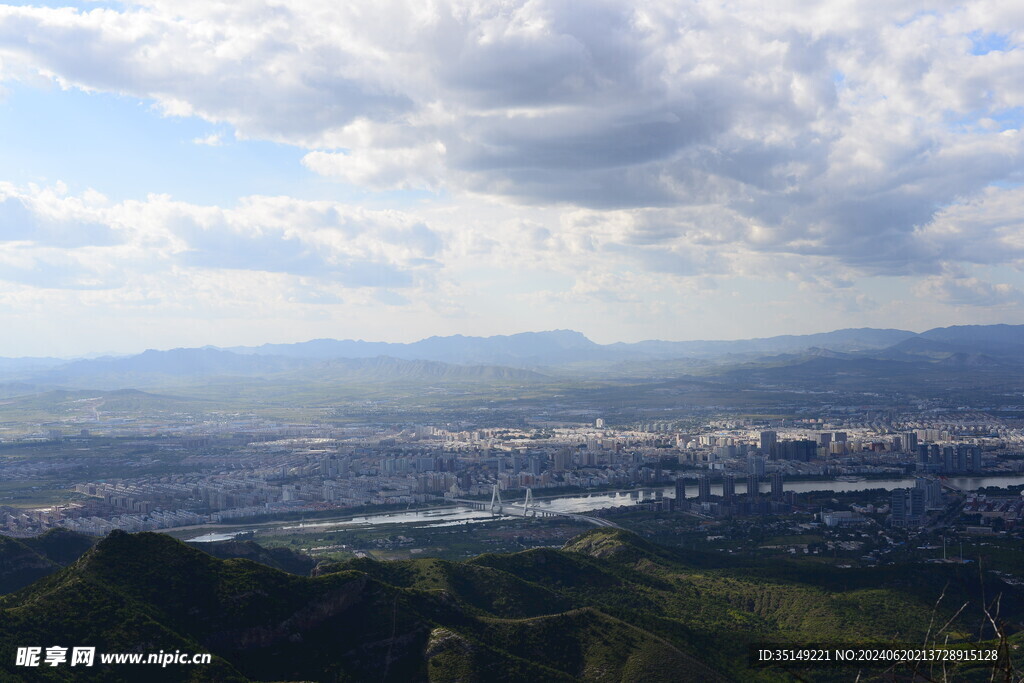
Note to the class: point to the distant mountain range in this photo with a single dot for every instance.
(191, 366)
(518, 358)
(560, 347)
(525, 349)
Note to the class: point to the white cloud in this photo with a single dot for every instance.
(211, 140)
(419, 167)
(835, 130)
(960, 290)
(623, 148)
(51, 240)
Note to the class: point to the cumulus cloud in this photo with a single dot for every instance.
(48, 217)
(211, 140)
(384, 168)
(51, 240)
(961, 290)
(881, 138)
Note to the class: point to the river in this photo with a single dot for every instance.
(448, 516)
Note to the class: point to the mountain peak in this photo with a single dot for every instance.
(608, 543)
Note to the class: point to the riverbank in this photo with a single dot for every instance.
(580, 502)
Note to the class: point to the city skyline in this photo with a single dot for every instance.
(182, 174)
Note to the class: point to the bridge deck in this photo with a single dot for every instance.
(521, 511)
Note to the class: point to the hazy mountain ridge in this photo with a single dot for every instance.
(523, 349)
(558, 346)
(851, 339)
(942, 359)
(532, 357)
(29, 363)
(383, 367)
(568, 346)
(184, 366)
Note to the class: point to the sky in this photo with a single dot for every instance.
(192, 172)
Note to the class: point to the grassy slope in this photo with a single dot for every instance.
(25, 560)
(609, 607)
(147, 592)
(20, 565)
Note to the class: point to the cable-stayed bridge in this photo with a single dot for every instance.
(526, 509)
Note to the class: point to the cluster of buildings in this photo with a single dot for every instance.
(911, 507)
(832, 450)
(268, 469)
(996, 510)
(721, 499)
(95, 518)
(958, 458)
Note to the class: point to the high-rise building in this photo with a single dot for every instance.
(767, 440)
(329, 466)
(975, 459)
(918, 498)
(962, 457)
(910, 442)
(599, 423)
(755, 464)
(922, 454)
(803, 450)
(932, 491)
(680, 489)
(898, 506)
(561, 459)
(535, 465)
(729, 488)
(704, 488)
(776, 485)
(753, 489)
(824, 439)
(725, 452)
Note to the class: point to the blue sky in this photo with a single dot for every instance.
(190, 173)
(122, 145)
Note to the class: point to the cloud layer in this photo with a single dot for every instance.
(52, 240)
(616, 141)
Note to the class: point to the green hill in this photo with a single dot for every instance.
(479, 589)
(24, 560)
(607, 607)
(61, 546)
(21, 565)
(279, 558)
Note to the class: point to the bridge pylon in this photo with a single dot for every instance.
(528, 502)
(495, 499)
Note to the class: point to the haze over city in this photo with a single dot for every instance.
(182, 174)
